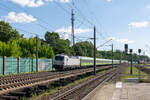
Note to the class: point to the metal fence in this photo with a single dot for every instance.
(11, 65)
(27, 65)
(23, 65)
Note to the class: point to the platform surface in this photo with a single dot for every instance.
(121, 91)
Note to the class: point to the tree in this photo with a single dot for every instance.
(46, 51)
(28, 48)
(51, 38)
(59, 45)
(83, 49)
(7, 33)
(10, 49)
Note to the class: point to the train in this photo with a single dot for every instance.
(62, 61)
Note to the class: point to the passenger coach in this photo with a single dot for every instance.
(62, 61)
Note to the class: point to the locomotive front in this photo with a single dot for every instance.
(59, 62)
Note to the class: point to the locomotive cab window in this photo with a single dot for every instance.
(59, 58)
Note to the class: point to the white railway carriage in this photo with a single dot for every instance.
(66, 62)
(71, 62)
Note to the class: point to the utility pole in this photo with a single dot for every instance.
(37, 54)
(72, 22)
(94, 50)
(112, 56)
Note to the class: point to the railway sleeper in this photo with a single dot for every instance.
(19, 94)
(43, 87)
(9, 97)
(28, 92)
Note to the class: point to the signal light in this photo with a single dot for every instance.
(139, 50)
(126, 47)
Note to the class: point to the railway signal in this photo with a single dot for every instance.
(131, 70)
(139, 51)
(126, 48)
(126, 51)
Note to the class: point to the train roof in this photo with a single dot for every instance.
(86, 58)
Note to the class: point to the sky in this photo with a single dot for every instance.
(123, 21)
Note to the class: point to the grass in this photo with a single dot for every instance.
(135, 74)
(147, 67)
(53, 90)
(147, 64)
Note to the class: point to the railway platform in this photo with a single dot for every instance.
(121, 91)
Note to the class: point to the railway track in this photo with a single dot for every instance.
(11, 83)
(78, 92)
(143, 68)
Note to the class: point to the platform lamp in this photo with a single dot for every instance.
(131, 56)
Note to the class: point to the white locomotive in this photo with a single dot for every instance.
(62, 61)
(65, 62)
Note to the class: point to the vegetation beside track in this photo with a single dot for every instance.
(145, 65)
(135, 74)
(54, 90)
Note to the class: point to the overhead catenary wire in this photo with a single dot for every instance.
(6, 8)
(22, 30)
(83, 17)
(68, 12)
(73, 6)
(41, 20)
(94, 17)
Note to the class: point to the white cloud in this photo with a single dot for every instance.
(121, 40)
(14, 17)
(65, 36)
(35, 3)
(148, 6)
(138, 24)
(63, 1)
(29, 3)
(68, 30)
(109, 0)
(125, 41)
(111, 38)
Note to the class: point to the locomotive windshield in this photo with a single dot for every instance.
(59, 58)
